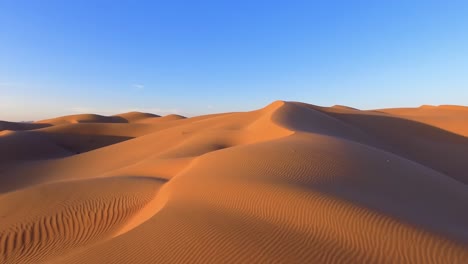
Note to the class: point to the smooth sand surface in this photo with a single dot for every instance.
(288, 183)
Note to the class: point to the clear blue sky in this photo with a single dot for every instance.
(196, 57)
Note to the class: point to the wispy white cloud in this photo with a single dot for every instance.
(138, 86)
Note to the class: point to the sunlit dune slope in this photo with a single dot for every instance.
(52, 219)
(83, 118)
(135, 116)
(288, 183)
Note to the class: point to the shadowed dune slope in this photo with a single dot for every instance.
(448, 117)
(423, 143)
(26, 145)
(288, 183)
(19, 126)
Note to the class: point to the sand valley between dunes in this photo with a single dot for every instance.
(288, 183)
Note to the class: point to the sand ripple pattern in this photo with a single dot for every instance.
(79, 214)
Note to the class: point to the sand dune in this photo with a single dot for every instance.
(18, 126)
(288, 183)
(448, 117)
(171, 117)
(135, 116)
(83, 118)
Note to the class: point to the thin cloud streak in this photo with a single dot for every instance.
(138, 86)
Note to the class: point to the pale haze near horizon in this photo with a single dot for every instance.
(60, 58)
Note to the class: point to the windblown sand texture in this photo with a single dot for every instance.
(289, 183)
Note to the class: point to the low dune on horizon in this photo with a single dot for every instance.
(288, 183)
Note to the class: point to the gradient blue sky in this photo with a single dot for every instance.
(196, 57)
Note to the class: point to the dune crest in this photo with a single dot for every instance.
(448, 117)
(135, 116)
(288, 183)
(83, 118)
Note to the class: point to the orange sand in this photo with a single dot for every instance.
(289, 183)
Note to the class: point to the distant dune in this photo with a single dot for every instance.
(448, 117)
(288, 183)
(4, 125)
(135, 116)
